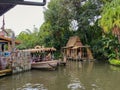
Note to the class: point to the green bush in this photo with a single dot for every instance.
(114, 62)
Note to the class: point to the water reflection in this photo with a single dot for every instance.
(30, 86)
(78, 70)
(74, 76)
(114, 68)
(76, 85)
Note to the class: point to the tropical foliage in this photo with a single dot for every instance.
(88, 19)
(110, 16)
(29, 39)
(114, 62)
(110, 22)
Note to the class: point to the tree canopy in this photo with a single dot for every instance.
(110, 15)
(84, 18)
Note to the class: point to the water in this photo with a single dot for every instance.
(74, 76)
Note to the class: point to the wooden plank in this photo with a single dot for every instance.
(2, 74)
(5, 71)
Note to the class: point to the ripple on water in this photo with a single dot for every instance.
(76, 85)
(30, 86)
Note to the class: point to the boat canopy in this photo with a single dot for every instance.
(40, 49)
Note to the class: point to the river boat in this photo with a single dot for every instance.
(45, 65)
(43, 58)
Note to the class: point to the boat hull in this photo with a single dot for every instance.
(45, 65)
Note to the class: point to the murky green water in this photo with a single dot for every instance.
(75, 76)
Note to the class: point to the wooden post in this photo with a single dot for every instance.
(13, 42)
(89, 54)
(9, 46)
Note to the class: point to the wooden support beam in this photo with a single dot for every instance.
(5, 71)
(3, 41)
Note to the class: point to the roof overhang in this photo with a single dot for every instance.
(6, 40)
(6, 5)
(76, 47)
(24, 2)
(67, 47)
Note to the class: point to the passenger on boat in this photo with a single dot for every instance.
(48, 57)
(52, 57)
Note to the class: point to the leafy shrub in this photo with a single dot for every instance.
(114, 62)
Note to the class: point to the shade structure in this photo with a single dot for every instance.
(40, 50)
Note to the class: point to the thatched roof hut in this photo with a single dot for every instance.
(75, 49)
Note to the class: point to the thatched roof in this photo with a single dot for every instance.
(73, 41)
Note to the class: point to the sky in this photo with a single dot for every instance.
(23, 17)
